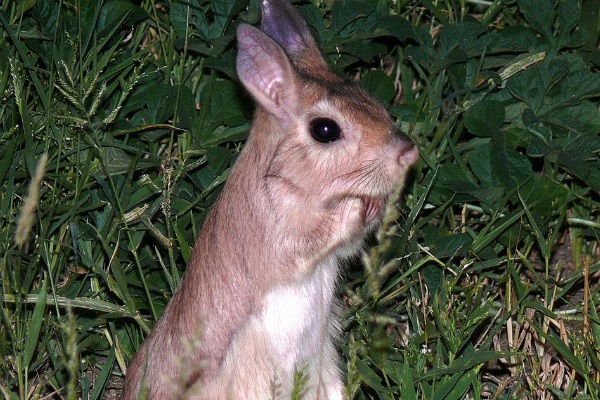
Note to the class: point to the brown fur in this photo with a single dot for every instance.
(256, 302)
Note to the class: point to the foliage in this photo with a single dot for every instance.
(483, 283)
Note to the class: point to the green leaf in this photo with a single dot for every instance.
(345, 14)
(224, 107)
(460, 389)
(102, 378)
(544, 198)
(459, 36)
(223, 12)
(35, 324)
(485, 119)
(572, 89)
(407, 387)
(369, 376)
(575, 362)
(443, 245)
(184, 247)
(395, 26)
(568, 14)
(540, 15)
(23, 6)
(379, 85)
(455, 383)
(532, 84)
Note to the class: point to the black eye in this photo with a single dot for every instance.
(325, 130)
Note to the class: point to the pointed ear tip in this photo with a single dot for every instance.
(243, 29)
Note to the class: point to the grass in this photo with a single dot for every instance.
(120, 122)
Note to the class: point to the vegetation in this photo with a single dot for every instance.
(120, 121)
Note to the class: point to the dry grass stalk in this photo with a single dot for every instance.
(26, 217)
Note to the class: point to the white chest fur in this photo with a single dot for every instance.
(292, 332)
(298, 320)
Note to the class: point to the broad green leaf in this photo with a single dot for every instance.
(583, 118)
(532, 85)
(459, 36)
(540, 15)
(395, 26)
(379, 85)
(223, 106)
(544, 198)
(568, 13)
(446, 244)
(23, 6)
(348, 15)
(364, 51)
(572, 89)
(485, 119)
(513, 38)
(223, 12)
(218, 161)
(314, 19)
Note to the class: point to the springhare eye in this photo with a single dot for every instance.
(325, 130)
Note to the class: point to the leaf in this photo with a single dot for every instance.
(459, 36)
(369, 376)
(35, 324)
(578, 157)
(460, 388)
(513, 39)
(544, 198)
(223, 12)
(539, 14)
(564, 350)
(509, 167)
(124, 9)
(532, 84)
(498, 166)
(346, 13)
(85, 303)
(183, 245)
(102, 378)
(568, 14)
(364, 51)
(493, 230)
(485, 119)
(444, 244)
(23, 6)
(225, 134)
(395, 26)
(224, 107)
(584, 118)
(379, 85)
(218, 160)
(116, 160)
(572, 89)
(314, 19)
(181, 12)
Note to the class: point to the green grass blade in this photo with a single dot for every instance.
(35, 325)
(102, 378)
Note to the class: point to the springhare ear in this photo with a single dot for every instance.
(266, 71)
(284, 24)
